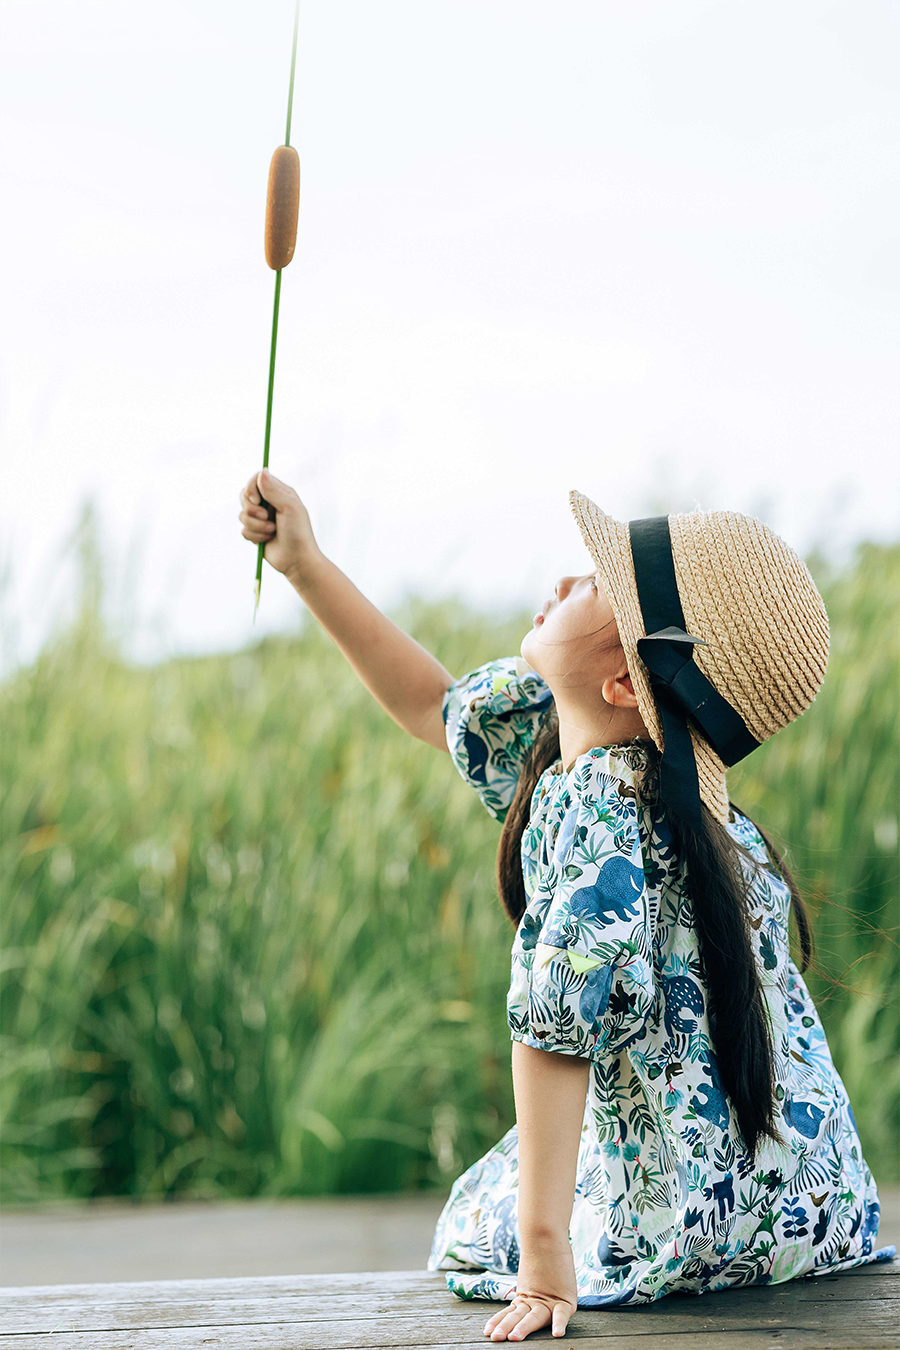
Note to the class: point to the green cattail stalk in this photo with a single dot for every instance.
(281, 234)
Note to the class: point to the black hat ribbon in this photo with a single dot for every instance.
(679, 686)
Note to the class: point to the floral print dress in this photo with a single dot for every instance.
(606, 965)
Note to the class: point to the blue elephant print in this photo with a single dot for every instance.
(803, 1117)
(614, 894)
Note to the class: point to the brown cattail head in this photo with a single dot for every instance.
(282, 206)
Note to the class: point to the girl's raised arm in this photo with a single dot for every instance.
(401, 675)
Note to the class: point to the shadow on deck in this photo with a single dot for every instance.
(412, 1309)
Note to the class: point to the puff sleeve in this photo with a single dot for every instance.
(582, 971)
(491, 717)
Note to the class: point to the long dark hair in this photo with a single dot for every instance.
(718, 885)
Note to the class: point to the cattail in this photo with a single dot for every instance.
(282, 206)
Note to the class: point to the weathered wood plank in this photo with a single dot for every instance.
(23, 1312)
(791, 1333)
(409, 1310)
(791, 1338)
(343, 1285)
(402, 1329)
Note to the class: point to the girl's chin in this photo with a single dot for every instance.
(525, 645)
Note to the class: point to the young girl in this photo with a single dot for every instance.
(679, 1121)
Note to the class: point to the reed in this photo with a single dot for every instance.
(251, 939)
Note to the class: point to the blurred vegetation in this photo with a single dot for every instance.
(252, 943)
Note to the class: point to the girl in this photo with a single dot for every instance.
(679, 1121)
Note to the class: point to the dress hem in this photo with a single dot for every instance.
(501, 1278)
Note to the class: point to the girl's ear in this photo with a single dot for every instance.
(619, 691)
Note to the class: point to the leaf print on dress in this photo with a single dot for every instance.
(770, 960)
(795, 1218)
(666, 1198)
(821, 1227)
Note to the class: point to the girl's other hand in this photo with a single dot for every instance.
(546, 1293)
(284, 527)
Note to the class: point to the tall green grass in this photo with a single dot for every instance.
(252, 943)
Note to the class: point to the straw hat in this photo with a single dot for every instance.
(751, 599)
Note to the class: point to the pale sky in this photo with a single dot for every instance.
(644, 248)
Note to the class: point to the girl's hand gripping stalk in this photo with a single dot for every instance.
(284, 528)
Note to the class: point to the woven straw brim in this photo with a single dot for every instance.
(609, 544)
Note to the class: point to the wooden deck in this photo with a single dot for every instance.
(412, 1309)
